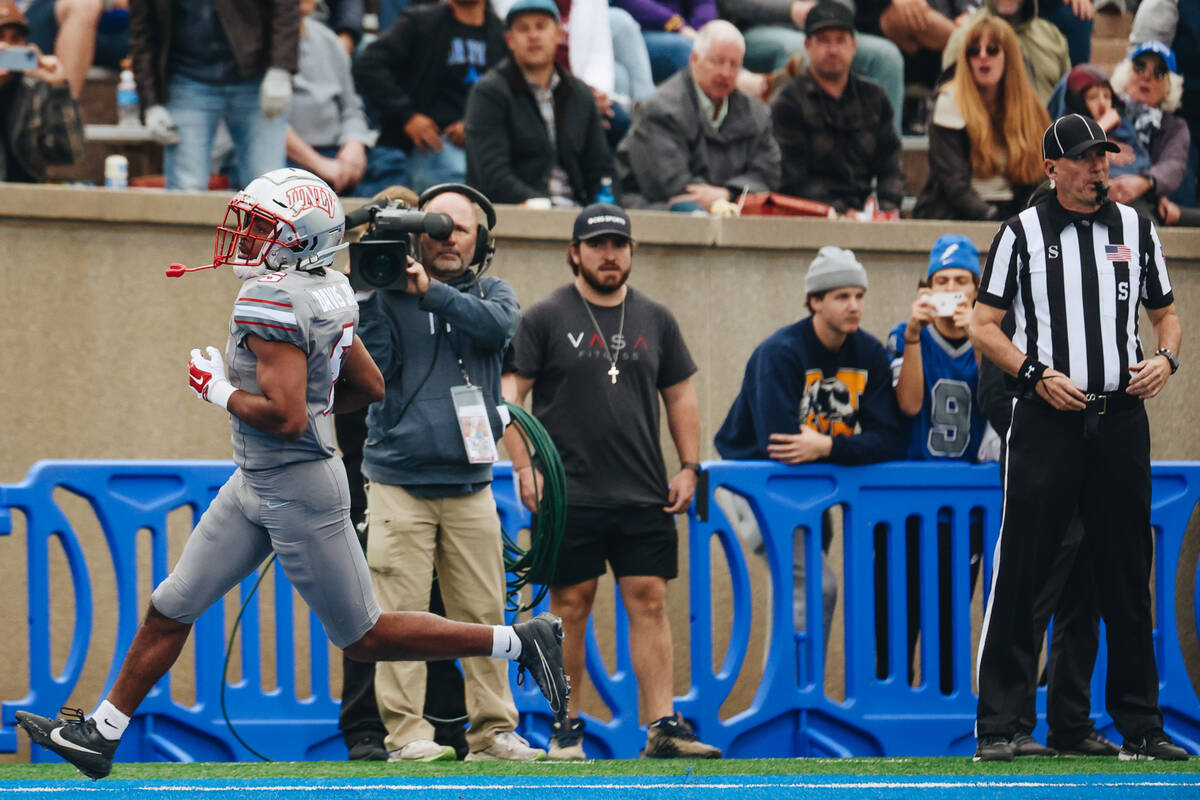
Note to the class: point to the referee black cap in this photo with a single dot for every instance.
(1069, 136)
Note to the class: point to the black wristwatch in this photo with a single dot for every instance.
(692, 465)
(1174, 362)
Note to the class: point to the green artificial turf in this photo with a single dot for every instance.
(609, 768)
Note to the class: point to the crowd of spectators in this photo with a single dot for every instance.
(365, 110)
(553, 103)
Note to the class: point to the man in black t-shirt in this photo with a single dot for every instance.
(416, 76)
(597, 355)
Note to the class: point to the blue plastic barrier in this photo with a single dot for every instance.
(789, 715)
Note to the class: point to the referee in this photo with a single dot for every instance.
(1074, 269)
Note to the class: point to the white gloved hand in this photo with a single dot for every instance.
(989, 446)
(160, 126)
(207, 378)
(275, 93)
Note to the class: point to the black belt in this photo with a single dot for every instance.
(1098, 403)
(1101, 403)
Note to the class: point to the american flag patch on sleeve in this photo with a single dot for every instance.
(1118, 252)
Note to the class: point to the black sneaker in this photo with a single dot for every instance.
(541, 654)
(368, 748)
(566, 741)
(671, 737)
(1091, 745)
(75, 739)
(994, 748)
(1025, 745)
(1152, 746)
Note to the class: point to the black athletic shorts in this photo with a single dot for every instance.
(636, 540)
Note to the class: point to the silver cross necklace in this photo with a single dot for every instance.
(613, 372)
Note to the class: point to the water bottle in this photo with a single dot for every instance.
(605, 195)
(116, 172)
(127, 100)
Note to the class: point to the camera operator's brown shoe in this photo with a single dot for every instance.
(671, 737)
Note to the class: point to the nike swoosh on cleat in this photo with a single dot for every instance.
(277, 505)
(57, 738)
(554, 702)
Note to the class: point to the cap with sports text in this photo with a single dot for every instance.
(531, 6)
(1070, 136)
(11, 15)
(1159, 48)
(828, 14)
(599, 219)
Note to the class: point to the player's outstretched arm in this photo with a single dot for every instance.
(361, 383)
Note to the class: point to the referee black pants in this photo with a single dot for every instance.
(1059, 462)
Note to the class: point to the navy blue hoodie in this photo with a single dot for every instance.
(792, 379)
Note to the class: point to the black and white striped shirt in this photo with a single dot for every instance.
(1074, 283)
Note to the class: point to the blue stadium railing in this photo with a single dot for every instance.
(790, 713)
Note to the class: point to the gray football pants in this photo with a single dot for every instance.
(300, 511)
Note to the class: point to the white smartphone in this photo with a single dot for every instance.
(946, 303)
(18, 59)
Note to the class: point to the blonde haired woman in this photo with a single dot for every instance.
(985, 153)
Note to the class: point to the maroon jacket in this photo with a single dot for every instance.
(262, 33)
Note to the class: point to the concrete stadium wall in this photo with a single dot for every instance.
(96, 338)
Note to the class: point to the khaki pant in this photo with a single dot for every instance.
(460, 537)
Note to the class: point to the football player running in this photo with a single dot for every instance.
(292, 359)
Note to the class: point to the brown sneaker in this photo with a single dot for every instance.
(671, 737)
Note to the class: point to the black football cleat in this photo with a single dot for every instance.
(994, 748)
(1093, 744)
(1025, 745)
(75, 739)
(541, 654)
(1153, 746)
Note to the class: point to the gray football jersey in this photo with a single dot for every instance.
(318, 314)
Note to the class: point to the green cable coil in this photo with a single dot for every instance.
(536, 565)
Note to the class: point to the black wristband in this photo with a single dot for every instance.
(1029, 374)
(692, 465)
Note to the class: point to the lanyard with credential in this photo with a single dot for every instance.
(471, 410)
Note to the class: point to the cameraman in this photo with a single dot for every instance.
(40, 123)
(430, 507)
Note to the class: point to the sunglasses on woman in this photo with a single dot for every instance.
(1140, 67)
(992, 49)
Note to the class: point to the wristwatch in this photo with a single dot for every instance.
(1171, 359)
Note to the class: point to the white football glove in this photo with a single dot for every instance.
(160, 126)
(275, 93)
(207, 378)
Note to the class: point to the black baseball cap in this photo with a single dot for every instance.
(828, 14)
(600, 219)
(1069, 136)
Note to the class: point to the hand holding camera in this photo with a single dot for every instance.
(382, 258)
(418, 278)
(946, 303)
(28, 59)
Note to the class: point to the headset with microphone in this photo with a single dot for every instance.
(485, 246)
